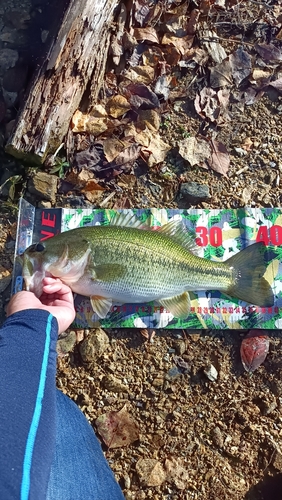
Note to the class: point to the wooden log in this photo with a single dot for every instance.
(77, 56)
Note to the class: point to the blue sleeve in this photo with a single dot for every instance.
(27, 404)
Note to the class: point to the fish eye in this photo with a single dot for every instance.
(37, 247)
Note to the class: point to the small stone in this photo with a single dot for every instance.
(44, 204)
(66, 344)
(113, 384)
(43, 186)
(9, 98)
(173, 373)
(217, 437)
(211, 372)
(241, 152)
(8, 59)
(15, 78)
(179, 346)
(150, 472)
(192, 192)
(17, 19)
(94, 345)
(158, 381)
(277, 460)
(127, 481)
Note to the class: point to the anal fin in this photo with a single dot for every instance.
(179, 305)
(101, 305)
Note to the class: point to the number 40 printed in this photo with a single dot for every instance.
(213, 236)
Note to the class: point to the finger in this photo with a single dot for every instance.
(49, 280)
(57, 287)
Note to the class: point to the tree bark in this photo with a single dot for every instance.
(77, 56)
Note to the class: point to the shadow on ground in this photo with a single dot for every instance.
(269, 488)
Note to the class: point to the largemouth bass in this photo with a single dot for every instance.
(126, 264)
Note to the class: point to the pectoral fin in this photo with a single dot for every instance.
(179, 305)
(101, 305)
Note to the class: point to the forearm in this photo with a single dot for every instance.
(27, 404)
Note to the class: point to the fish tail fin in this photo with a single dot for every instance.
(249, 284)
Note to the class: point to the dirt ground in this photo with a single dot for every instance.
(198, 437)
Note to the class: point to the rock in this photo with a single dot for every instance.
(94, 345)
(44, 204)
(17, 19)
(127, 481)
(211, 372)
(158, 382)
(150, 472)
(66, 344)
(43, 186)
(173, 373)
(179, 346)
(217, 437)
(113, 384)
(8, 59)
(241, 152)
(277, 460)
(15, 78)
(192, 192)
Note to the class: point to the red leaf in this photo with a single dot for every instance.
(117, 428)
(254, 349)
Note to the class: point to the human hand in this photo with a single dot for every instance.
(56, 299)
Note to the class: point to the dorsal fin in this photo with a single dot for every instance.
(127, 219)
(176, 230)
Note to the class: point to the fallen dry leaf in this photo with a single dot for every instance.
(215, 50)
(162, 86)
(269, 52)
(113, 147)
(154, 149)
(90, 159)
(150, 472)
(140, 74)
(141, 11)
(213, 105)
(157, 148)
(196, 150)
(122, 203)
(116, 47)
(177, 472)
(117, 428)
(277, 84)
(220, 159)
(193, 22)
(182, 44)
(117, 106)
(140, 96)
(92, 185)
(149, 118)
(241, 65)
(220, 75)
(127, 181)
(148, 33)
(93, 196)
(127, 156)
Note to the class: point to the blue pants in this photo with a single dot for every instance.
(48, 450)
